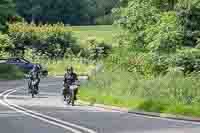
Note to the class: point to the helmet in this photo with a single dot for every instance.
(36, 67)
(70, 69)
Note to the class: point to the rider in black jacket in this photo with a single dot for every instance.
(70, 78)
(34, 73)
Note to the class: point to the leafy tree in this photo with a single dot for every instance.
(6, 11)
(166, 35)
(51, 11)
(189, 13)
(67, 11)
(135, 18)
(6, 45)
(165, 5)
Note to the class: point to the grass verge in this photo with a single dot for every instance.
(10, 72)
(57, 67)
(174, 94)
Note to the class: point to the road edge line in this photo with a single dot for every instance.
(34, 116)
(152, 115)
(47, 117)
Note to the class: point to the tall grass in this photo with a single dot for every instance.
(10, 72)
(57, 68)
(172, 93)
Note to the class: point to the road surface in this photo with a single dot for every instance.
(47, 113)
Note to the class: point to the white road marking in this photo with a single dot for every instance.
(1, 94)
(60, 121)
(10, 114)
(52, 102)
(167, 119)
(44, 117)
(28, 114)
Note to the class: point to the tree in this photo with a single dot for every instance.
(149, 27)
(73, 12)
(165, 5)
(51, 11)
(189, 14)
(6, 11)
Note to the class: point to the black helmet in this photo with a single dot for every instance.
(70, 69)
(36, 67)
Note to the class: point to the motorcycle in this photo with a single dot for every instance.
(69, 93)
(32, 87)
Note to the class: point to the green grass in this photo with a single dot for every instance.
(58, 67)
(172, 93)
(10, 72)
(105, 32)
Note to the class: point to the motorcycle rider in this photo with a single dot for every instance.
(34, 76)
(70, 78)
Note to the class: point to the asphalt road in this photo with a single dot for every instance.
(47, 113)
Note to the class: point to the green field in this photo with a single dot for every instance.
(105, 32)
(57, 68)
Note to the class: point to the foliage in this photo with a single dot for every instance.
(58, 67)
(9, 72)
(50, 40)
(152, 69)
(105, 20)
(51, 11)
(6, 45)
(74, 12)
(47, 28)
(160, 94)
(6, 11)
(148, 27)
(166, 35)
(104, 32)
(97, 48)
(135, 18)
(186, 60)
(189, 14)
(189, 60)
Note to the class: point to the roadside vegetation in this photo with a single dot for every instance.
(156, 64)
(103, 32)
(9, 72)
(151, 54)
(55, 46)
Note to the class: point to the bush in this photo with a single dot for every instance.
(189, 14)
(97, 49)
(135, 19)
(166, 35)
(159, 63)
(189, 60)
(6, 45)
(10, 72)
(51, 40)
(105, 20)
(153, 105)
(186, 60)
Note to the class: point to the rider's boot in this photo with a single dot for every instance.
(76, 91)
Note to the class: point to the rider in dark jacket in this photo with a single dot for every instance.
(34, 73)
(70, 78)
